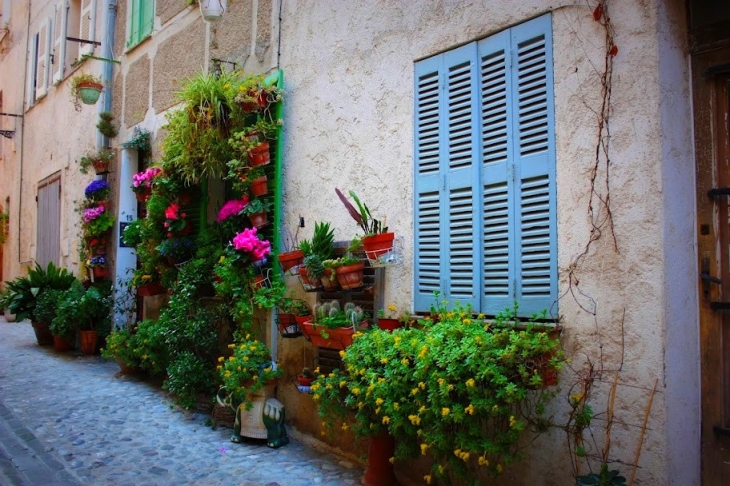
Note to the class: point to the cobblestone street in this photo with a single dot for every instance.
(70, 420)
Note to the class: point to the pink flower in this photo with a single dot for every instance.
(145, 178)
(247, 241)
(171, 211)
(92, 213)
(232, 208)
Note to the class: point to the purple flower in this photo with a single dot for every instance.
(96, 186)
(92, 213)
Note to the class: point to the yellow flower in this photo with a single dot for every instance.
(450, 387)
(483, 462)
(424, 448)
(379, 401)
(231, 358)
(415, 419)
(343, 383)
(404, 362)
(360, 405)
(423, 352)
(227, 85)
(328, 387)
(466, 321)
(384, 360)
(221, 359)
(392, 460)
(470, 382)
(231, 346)
(392, 308)
(421, 385)
(414, 391)
(397, 339)
(377, 411)
(241, 88)
(396, 405)
(512, 421)
(427, 478)
(422, 409)
(445, 411)
(344, 426)
(356, 391)
(469, 409)
(499, 468)
(441, 381)
(457, 452)
(342, 354)
(316, 370)
(315, 387)
(386, 420)
(464, 456)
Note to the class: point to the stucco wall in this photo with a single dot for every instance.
(349, 124)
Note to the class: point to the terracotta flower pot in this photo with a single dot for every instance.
(42, 333)
(100, 166)
(259, 155)
(143, 193)
(308, 284)
(329, 284)
(290, 259)
(339, 338)
(88, 342)
(149, 289)
(376, 245)
(61, 343)
(259, 186)
(387, 324)
(380, 471)
(351, 276)
(302, 319)
(288, 326)
(304, 381)
(100, 272)
(258, 219)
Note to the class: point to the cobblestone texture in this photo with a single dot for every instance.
(67, 419)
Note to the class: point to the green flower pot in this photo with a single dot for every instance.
(89, 92)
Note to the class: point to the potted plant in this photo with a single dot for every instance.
(247, 241)
(97, 221)
(98, 267)
(121, 347)
(306, 377)
(389, 320)
(329, 275)
(177, 250)
(45, 312)
(333, 326)
(175, 221)
(257, 210)
(99, 161)
(22, 292)
(254, 94)
(85, 88)
(423, 387)
(320, 249)
(377, 240)
(106, 124)
(349, 271)
(65, 323)
(97, 192)
(92, 313)
(248, 377)
(290, 309)
(252, 141)
(142, 183)
(212, 10)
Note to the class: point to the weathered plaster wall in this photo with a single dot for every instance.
(349, 124)
(53, 139)
(12, 54)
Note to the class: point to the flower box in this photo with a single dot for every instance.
(290, 259)
(339, 338)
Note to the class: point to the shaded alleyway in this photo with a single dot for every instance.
(68, 420)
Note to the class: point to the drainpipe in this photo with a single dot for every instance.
(28, 36)
(107, 48)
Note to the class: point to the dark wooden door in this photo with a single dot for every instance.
(713, 204)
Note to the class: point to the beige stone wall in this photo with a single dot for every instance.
(349, 124)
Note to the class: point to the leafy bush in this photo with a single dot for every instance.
(23, 291)
(188, 376)
(459, 390)
(121, 344)
(46, 305)
(248, 370)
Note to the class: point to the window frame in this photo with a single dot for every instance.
(475, 171)
(139, 27)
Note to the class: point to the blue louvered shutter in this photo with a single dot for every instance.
(427, 181)
(460, 204)
(533, 144)
(498, 276)
(445, 173)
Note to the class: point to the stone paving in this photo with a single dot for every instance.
(74, 420)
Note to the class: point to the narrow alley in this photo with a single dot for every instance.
(71, 420)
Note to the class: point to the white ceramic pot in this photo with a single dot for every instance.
(8, 316)
(212, 10)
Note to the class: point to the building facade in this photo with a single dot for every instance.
(554, 155)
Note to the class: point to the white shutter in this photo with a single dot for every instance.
(87, 29)
(59, 43)
(43, 59)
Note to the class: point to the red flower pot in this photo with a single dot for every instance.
(258, 219)
(308, 284)
(100, 272)
(149, 289)
(143, 193)
(88, 342)
(62, 343)
(42, 333)
(376, 245)
(259, 155)
(339, 338)
(290, 259)
(380, 471)
(100, 166)
(304, 381)
(302, 319)
(389, 324)
(259, 186)
(350, 276)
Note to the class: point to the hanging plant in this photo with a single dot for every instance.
(85, 88)
(106, 126)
